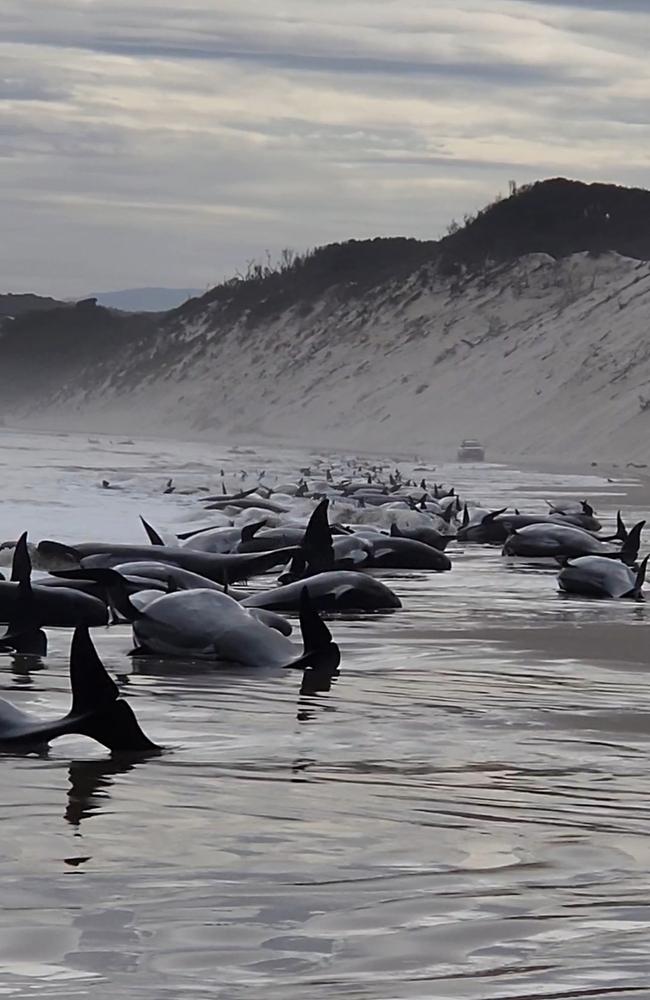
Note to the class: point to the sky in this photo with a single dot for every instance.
(144, 143)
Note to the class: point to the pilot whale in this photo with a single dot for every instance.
(207, 624)
(26, 608)
(216, 567)
(598, 576)
(339, 590)
(565, 541)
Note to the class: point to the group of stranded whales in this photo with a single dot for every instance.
(324, 538)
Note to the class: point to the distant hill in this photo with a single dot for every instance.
(146, 299)
(16, 305)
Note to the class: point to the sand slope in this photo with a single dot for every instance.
(537, 358)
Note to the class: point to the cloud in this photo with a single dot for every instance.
(141, 144)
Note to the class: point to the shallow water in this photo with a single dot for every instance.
(465, 814)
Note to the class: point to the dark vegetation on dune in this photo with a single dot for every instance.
(16, 305)
(48, 344)
(558, 217)
(66, 338)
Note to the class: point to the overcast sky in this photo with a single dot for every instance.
(149, 143)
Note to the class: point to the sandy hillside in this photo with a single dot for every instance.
(537, 358)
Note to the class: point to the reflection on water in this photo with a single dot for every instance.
(464, 814)
(90, 781)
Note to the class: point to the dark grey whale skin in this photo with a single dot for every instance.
(216, 567)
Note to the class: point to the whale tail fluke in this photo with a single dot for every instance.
(621, 531)
(97, 709)
(637, 590)
(630, 547)
(321, 656)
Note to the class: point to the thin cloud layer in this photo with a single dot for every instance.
(141, 144)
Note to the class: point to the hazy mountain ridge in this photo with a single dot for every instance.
(385, 344)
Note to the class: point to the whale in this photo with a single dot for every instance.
(147, 581)
(97, 710)
(255, 540)
(216, 567)
(494, 527)
(598, 576)
(565, 541)
(319, 553)
(206, 625)
(26, 608)
(428, 536)
(218, 540)
(338, 590)
(404, 553)
(577, 512)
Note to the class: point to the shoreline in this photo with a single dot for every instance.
(633, 479)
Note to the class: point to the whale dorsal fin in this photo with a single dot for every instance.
(492, 515)
(317, 543)
(21, 566)
(249, 531)
(152, 534)
(24, 634)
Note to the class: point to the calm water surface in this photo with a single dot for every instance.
(465, 815)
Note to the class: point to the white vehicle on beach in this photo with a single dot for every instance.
(471, 450)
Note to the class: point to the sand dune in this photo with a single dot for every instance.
(540, 358)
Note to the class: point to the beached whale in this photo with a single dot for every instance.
(566, 542)
(338, 590)
(598, 576)
(203, 624)
(216, 567)
(26, 608)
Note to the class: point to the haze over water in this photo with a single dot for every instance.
(464, 815)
